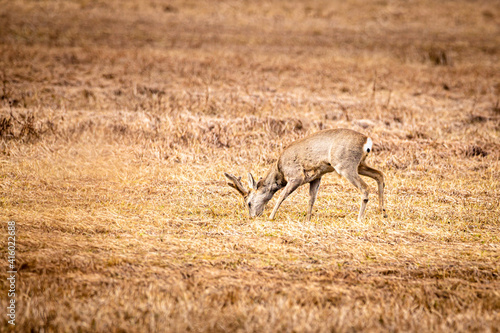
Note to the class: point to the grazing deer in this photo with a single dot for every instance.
(306, 161)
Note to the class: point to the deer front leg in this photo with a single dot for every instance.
(289, 188)
(313, 191)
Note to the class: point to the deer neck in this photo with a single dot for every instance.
(274, 179)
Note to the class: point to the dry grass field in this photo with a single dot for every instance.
(118, 119)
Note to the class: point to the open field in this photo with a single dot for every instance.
(118, 119)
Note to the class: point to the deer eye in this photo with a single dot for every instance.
(249, 205)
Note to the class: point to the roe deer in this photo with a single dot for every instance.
(306, 161)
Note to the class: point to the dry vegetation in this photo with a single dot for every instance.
(118, 119)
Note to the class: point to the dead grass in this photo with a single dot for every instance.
(118, 119)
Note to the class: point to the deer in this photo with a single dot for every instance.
(306, 161)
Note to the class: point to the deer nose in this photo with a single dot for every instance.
(255, 214)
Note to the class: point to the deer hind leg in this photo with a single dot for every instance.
(365, 170)
(289, 188)
(313, 191)
(352, 176)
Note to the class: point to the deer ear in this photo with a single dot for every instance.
(259, 183)
(251, 182)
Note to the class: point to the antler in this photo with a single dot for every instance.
(236, 184)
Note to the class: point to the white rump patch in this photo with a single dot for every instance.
(368, 145)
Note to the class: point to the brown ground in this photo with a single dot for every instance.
(118, 119)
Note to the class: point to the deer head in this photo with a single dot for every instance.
(256, 197)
